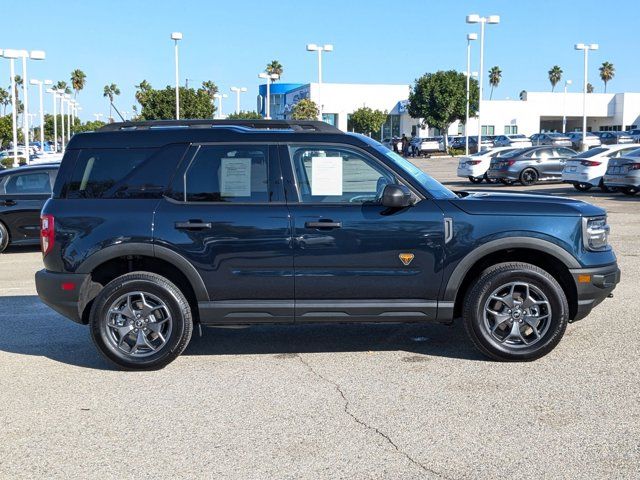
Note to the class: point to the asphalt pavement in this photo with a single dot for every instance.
(326, 401)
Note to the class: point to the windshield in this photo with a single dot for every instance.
(435, 188)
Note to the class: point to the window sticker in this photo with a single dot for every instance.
(235, 177)
(326, 176)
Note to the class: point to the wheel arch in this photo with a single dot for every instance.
(542, 253)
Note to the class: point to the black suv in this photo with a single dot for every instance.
(155, 227)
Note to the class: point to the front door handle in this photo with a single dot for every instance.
(323, 224)
(193, 225)
(9, 203)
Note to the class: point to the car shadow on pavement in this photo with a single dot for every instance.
(28, 327)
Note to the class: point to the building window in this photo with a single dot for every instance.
(330, 118)
(391, 127)
(610, 128)
(488, 130)
(510, 129)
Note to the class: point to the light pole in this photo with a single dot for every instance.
(585, 47)
(40, 83)
(12, 55)
(54, 96)
(269, 77)
(34, 55)
(238, 91)
(220, 96)
(67, 97)
(491, 19)
(175, 36)
(470, 37)
(564, 106)
(61, 95)
(312, 47)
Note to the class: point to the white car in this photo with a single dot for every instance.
(474, 167)
(585, 171)
(512, 140)
(46, 157)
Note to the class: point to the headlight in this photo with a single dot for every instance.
(595, 233)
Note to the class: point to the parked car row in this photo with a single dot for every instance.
(608, 167)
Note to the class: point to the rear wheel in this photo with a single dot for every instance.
(475, 179)
(141, 321)
(4, 237)
(582, 187)
(629, 190)
(515, 312)
(528, 176)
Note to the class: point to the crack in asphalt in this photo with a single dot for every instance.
(367, 426)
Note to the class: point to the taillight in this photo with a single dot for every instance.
(634, 166)
(511, 163)
(590, 163)
(47, 233)
(474, 162)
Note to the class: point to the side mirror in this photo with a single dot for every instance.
(396, 196)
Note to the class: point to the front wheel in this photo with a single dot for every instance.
(515, 312)
(582, 187)
(629, 190)
(475, 179)
(141, 321)
(4, 237)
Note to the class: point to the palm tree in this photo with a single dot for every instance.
(274, 67)
(211, 88)
(495, 75)
(4, 100)
(78, 81)
(141, 91)
(555, 75)
(62, 86)
(523, 95)
(607, 72)
(590, 88)
(110, 91)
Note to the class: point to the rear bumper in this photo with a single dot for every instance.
(622, 180)
(593, 286)
(55, 290)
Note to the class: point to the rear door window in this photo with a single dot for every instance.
(35, 183)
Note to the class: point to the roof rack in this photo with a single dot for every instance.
(295, 125)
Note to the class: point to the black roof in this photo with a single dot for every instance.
(157, 133)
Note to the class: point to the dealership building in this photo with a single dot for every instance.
(537, 111)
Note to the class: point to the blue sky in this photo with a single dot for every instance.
(375, 42)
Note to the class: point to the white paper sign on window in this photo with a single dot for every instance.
(326, 176)
(235, 177)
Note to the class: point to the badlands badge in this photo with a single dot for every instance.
(406, 258)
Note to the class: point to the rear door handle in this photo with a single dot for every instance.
(323, 224)
(9, 203)
(193, 225)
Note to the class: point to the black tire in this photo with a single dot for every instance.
(4, 237)
(490, 180)
(529, 176)
(506, 181)
(153, 285)
(487, 283)
(582, 187)
(475, 179)
(631, 191)
(604, 188)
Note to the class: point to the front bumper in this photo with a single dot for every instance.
(593, 286)
(63, 292)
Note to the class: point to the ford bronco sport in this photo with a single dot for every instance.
(156, 227)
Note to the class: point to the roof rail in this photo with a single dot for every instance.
(295, 125)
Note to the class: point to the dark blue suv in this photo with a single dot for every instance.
(156, 227)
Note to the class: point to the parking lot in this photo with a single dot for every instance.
(326, 401)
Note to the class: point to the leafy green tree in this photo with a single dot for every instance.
(78, 81)
(161, 104)
(274, 67)
(5, 100)
(242, 115)
(6, 132)
(48, 126)
(555, 75)
(210, 88)
(440, 99)
(607, 72)
(142, 89)
(305, 109)
(89, 126)
(365, 120)
(590, 88)
(110, 92)
(495, 75)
